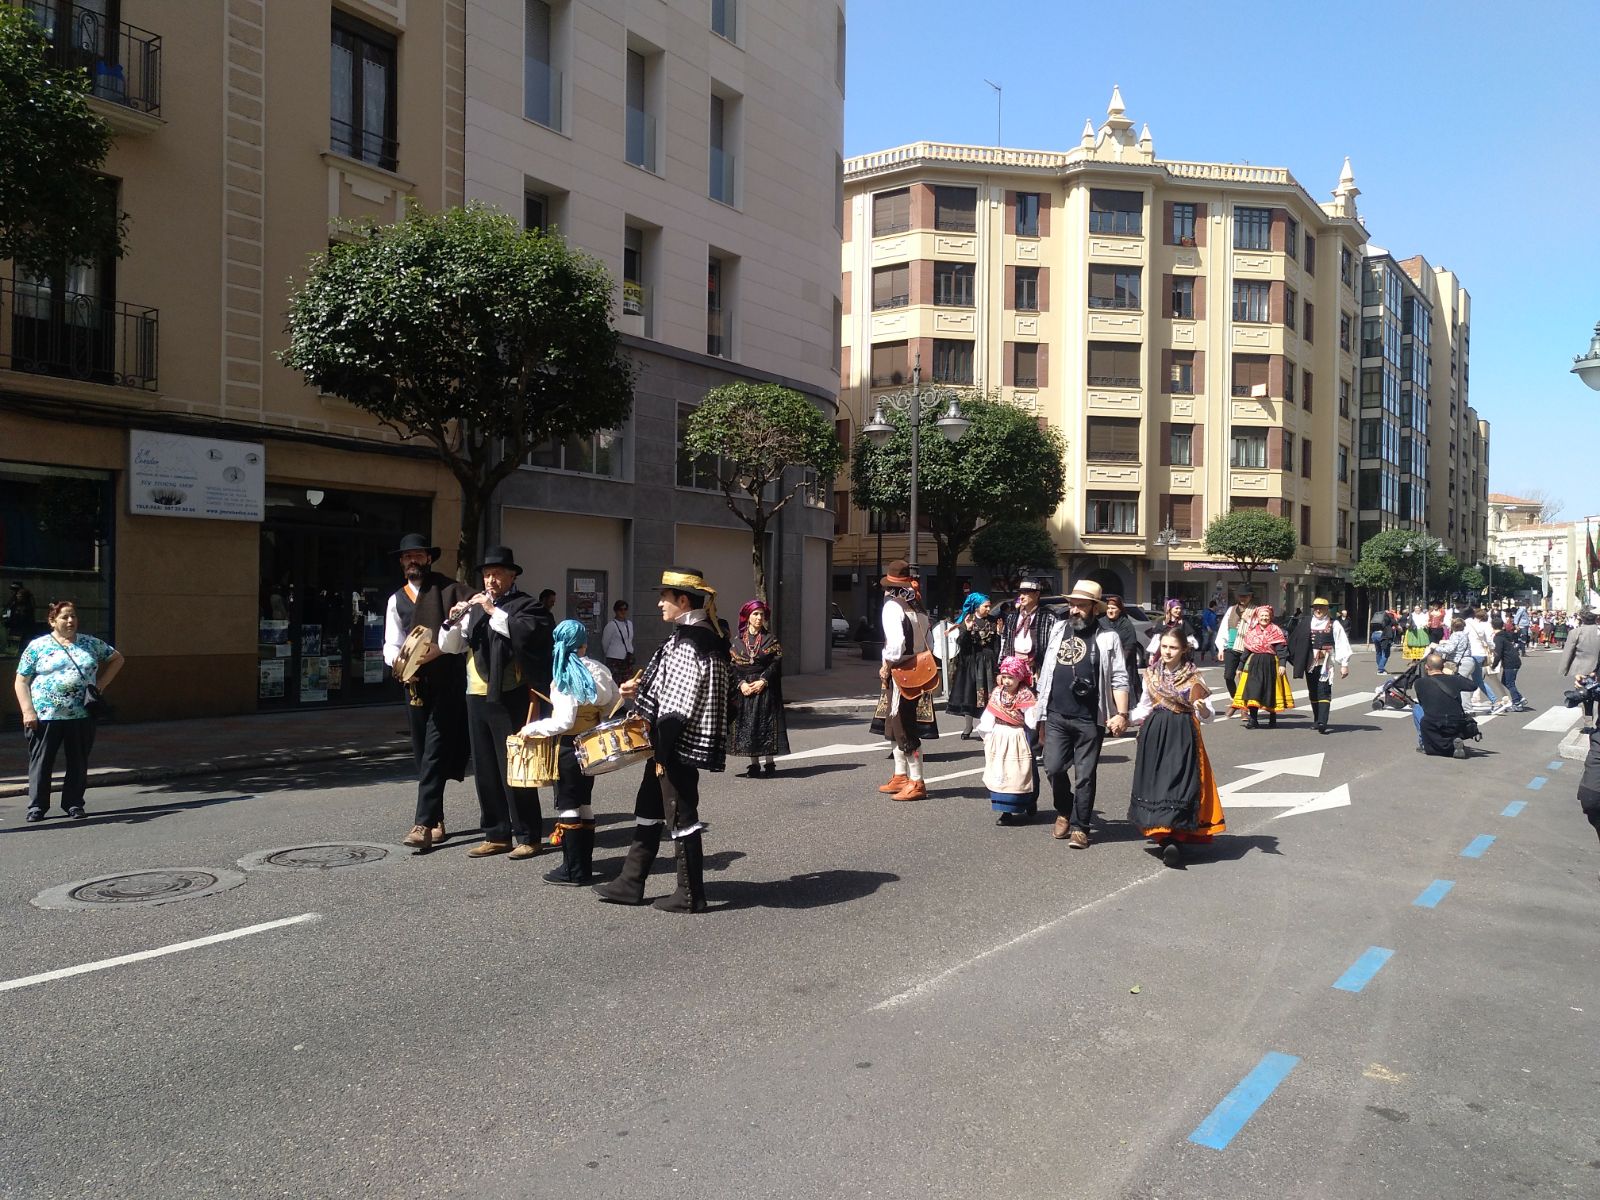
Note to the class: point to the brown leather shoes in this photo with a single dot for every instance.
(896, 783)
(420, 835)
(523, 851)
(485, 849)
(1061, 828)
(914, 789)
(439, 834)
(1078, 840)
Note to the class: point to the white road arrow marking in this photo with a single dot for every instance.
(835, 748)
(1305, 766)
(1338, 798)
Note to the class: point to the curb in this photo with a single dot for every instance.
(1575, 745)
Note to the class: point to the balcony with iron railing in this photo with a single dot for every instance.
(363, 145)
(46, 331)
(123, 62)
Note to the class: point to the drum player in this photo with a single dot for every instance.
(683, 695)
(436, 695)
(495, 632)
(581, 690)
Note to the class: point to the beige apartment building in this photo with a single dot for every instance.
(222, 523)
(1190, 327)
(694, 147)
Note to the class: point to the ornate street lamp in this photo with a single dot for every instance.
(878, 431)
(1587, 366)
(1167, 539)
(1424, 545)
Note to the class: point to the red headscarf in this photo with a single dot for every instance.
(750, 607)
(1262, 636)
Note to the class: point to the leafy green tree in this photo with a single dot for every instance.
(1005, 468)
(55, 207)
(1372, 575)
(1250, 538)
(1005, 548)
(1387, 550)
(748, 435)
(467, 332)
(1473, 581)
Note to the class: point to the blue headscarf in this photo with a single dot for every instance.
(971, 605)
(568, 673)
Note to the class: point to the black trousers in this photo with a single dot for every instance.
(506, 813)
(670, 795)
(76, 737)
(437, 725)
(1075, 743)
(1320, 691)
(573, 789)
(1590, 802)
(1230, 670)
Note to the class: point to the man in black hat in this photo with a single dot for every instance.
(1027, 626)
(683, 694)
(437, 709)
(495, 630)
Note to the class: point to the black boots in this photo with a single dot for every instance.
(577, 854)
(628, 886)
(691, 894)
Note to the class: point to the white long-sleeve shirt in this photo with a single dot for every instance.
(616, 639)
(564, 706)
(454, 639)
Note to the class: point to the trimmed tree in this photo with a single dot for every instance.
(469, 333)
(1005, 468)
(1383, 555)
(747, 436)
(1249, 538)
(1005, 548)
(55, 206)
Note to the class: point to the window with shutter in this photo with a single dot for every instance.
(891, 212)
(1113, 439)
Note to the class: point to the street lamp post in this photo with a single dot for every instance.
(878, 431)
(1587, 366)
(1423, 546)
(1167, 539)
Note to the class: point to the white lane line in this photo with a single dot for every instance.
(160, 951)
(956, 775)
(927, 985)
(1556, 720)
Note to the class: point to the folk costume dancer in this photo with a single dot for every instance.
(495, 631)
(1263, 684)
(1083, 691)
(759, 731)
(906, 722)
(1230, 638)
(581, 693)
(1027, 625)
(977, 649)
(1007, 728)
(1175, 796)
(437, 706)
(1117, 617)
(683, 695)
(1316, 647)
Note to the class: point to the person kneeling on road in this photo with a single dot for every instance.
(1442, 725)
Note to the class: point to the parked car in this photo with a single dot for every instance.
(838, 624)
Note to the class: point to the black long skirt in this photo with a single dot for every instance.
(1166, 773)
(971, 680)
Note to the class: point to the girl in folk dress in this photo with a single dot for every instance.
(1007, 729)
(973, 674)
(1263, 684)
(759, 731)
(1174, 792)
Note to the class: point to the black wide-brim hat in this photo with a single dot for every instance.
(500, 556)
(415, 541)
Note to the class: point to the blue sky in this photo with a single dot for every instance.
(1471, 128)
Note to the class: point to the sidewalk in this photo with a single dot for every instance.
(163, 750)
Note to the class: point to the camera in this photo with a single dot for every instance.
(1587, 692)
(1083, 689)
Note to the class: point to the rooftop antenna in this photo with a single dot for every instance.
(998, 90)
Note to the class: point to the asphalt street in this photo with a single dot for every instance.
(886, 1000)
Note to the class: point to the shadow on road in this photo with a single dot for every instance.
(814, 889)
(127, 816)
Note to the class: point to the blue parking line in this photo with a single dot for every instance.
(1537, 782)
(1555, 766)
(1433, 893)
(1478, 845)
(1513, 808)
(1239, 1105)
(1363, 969)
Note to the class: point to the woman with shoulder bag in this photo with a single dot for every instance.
(60, 678)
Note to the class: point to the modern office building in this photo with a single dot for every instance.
(224, 525)
(1392, 430)
(694, 147)
(1189, 326)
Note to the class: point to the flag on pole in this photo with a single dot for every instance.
(1593, 559)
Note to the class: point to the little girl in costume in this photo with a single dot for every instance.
(1007, 728)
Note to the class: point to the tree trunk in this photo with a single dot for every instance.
(758, 538)
(472, 505)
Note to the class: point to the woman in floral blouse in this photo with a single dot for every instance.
(54, 675)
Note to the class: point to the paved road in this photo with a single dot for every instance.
(887, 1000)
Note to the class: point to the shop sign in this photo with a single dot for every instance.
(1226, 566)
(172, 475)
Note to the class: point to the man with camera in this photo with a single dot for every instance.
(1083, 690)
(1443, 726)
(1581, 658)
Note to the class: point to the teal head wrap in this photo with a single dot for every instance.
(971, 605)
(568, 673)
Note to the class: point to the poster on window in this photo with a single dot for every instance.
(310, 640)
(172, 475)
(271, 685)
(372, 632)
(335, 674)
(372, 667)
(313, 680)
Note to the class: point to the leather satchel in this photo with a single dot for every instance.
(918, 675)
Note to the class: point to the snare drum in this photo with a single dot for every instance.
(531, 761)
(613, 745)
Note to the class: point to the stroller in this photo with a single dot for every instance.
(1396, 693)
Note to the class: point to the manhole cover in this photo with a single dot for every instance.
(160, 886)
(323, 856)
